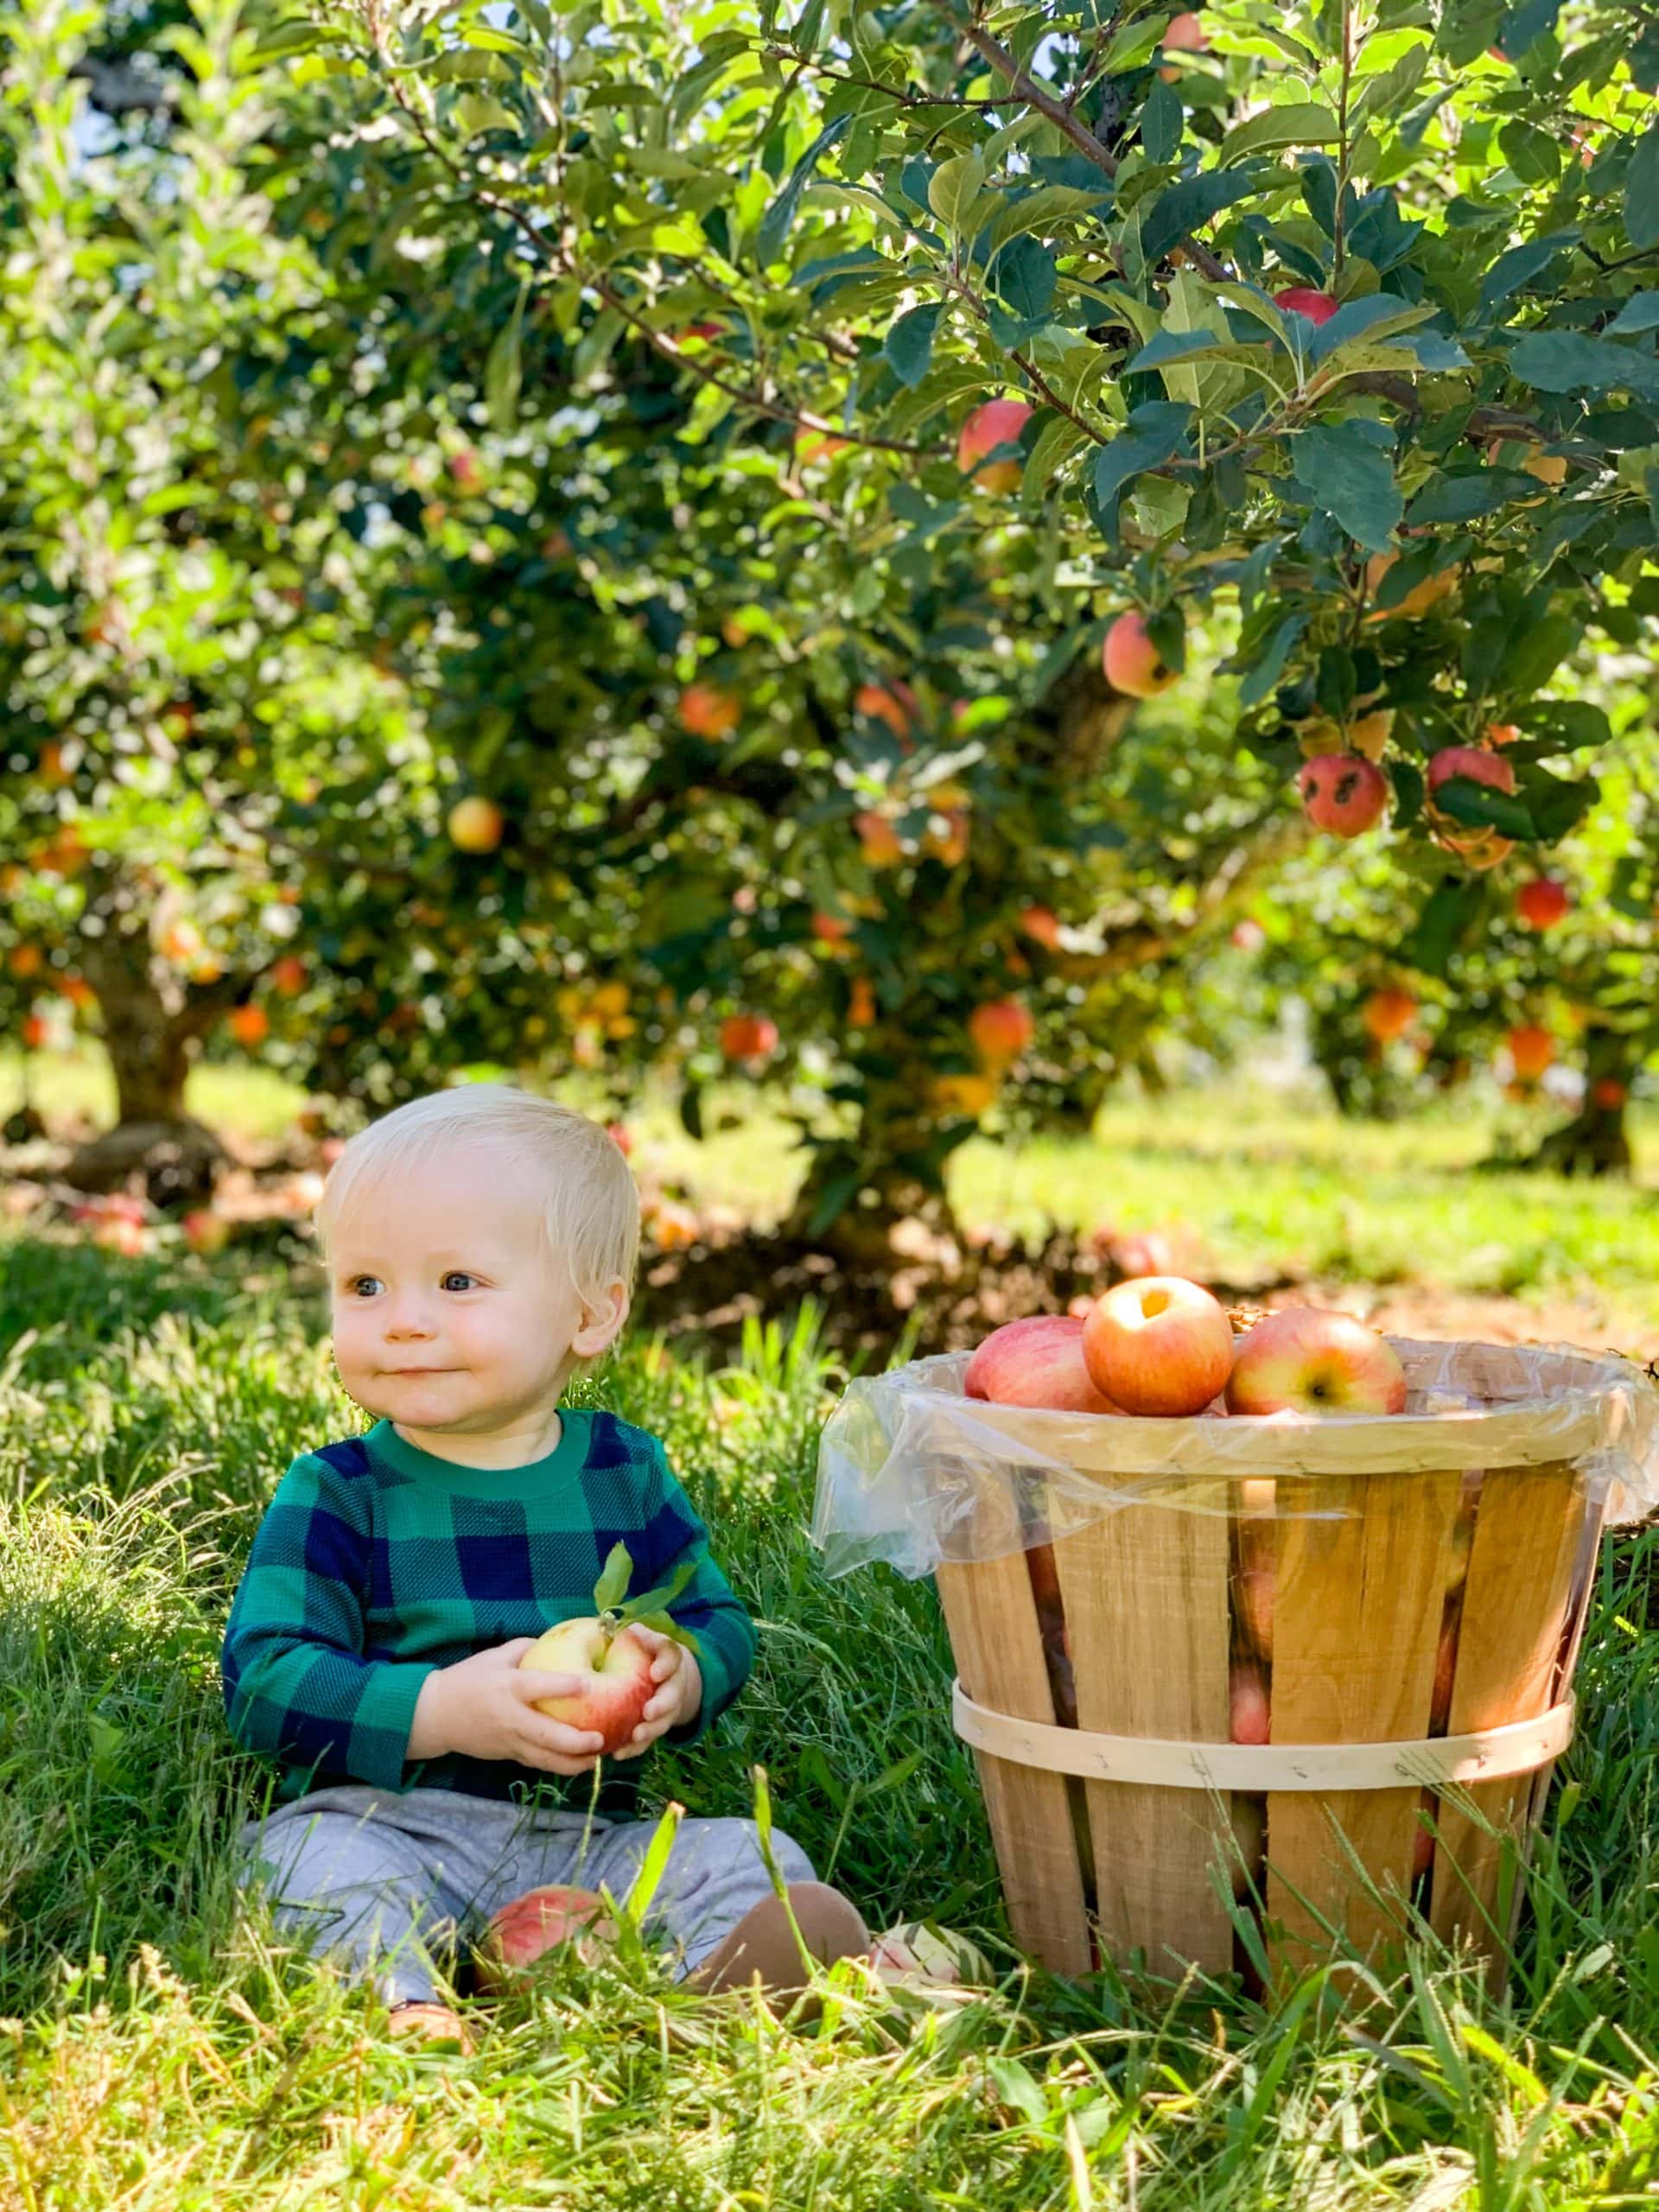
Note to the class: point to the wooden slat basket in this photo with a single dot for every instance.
(1156, 1699)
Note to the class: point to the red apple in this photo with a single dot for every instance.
(1297, 299)
(709, 712)
(615, 1673)
(1000, 1030)
(918, 1952)
(1249, 1715)
(998, 422)
(747, 1036)
(114, 1233)
(538, 1922)
(1608, 1094)
(207, 1232)
(1184, 34)
(1543, 902)
(620, 1136)
(1037, 1362)
(1158, 1344)
(1472, 761)
(1143, 1252)
(1306, 1360)
(1343, 793)
(1042, 925)
(1388, 1014)
(1532, 1050)
(1133, 664)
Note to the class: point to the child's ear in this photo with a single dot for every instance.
(601, 1322)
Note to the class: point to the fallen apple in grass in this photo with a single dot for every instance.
(206, 1233)
(538, 1922)
(1037, 1362)
(612, 1665)
(919, 1951)
(1158, 1344)
(1306, 1360)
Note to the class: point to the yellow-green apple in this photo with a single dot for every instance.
(1250, 1714)
(540, 1921)
(1303, 1359)
(475, 824)
(1158, 1344)
(1036, 1361)
(1343, 792)
(207, 1232)
(919, 1951)
(1298, 299)
(615, 1672)
(1543, 902)
(998, 422)
(1133, 664)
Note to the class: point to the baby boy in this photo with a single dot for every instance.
(480, 1244)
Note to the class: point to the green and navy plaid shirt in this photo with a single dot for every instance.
(377, 1562)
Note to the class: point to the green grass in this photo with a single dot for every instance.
(164, 2049)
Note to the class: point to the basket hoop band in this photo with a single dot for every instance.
(1433, 1762)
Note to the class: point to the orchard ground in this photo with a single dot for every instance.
(1264, 1193)
(164, 2049)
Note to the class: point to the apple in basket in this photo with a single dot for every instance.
(1305, 1360)
(1037, 1362)
(1158, 1344)
(612, 1665)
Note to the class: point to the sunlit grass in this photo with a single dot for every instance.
(161, 2049)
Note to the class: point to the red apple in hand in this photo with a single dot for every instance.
(614, 1672)
(1158, 1344)
(1037, 1362)
(1307, 1361)
(612, 1665)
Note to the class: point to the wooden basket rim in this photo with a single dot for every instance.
(1523, 1434)
(1519, 1747)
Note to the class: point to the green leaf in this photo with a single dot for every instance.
(1516, 268)
(1639, 313)
(1187, 206)
(1026, 275)
(613, 1583)
(1347, 476)
(835, 1197)
(1162, 121)
(1446, 921)
(953, 188)
(283, 41)
(1019, 2087)
(1567, 361)
(1299, 123)
(909, 344)
(1461, 498)
(503, 369)
(1557, 805)
(1265, 672)
(1537, 652)
(1641, 191)
(1482, 808)
(775, 223)
(652, 1601)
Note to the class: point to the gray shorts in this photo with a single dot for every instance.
(390, 1885)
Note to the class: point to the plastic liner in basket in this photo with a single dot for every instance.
(912, 1471)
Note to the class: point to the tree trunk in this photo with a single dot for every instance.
(152, 1020)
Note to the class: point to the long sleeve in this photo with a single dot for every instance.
(296, 1681)
(707, 1609)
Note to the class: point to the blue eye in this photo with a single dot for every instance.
(462, 1273)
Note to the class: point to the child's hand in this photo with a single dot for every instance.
(677, 1697)
(485, 1706)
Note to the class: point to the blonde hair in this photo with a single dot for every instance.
(589, 1201)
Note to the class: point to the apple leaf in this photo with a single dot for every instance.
(1482, 808)
(652, 1601)
(613, 1583)
(664, 1624)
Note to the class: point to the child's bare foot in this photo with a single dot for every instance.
(762, 1942)
(427, 2020)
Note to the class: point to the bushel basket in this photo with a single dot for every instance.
(1222, 1663)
